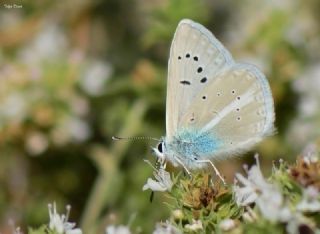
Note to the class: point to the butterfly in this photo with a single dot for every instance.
(216, 108)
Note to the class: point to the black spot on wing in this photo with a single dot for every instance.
(185, 82)
(204, 80)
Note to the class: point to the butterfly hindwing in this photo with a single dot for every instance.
(196, 57)
(236, 107)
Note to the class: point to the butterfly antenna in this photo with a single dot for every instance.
(115, 138)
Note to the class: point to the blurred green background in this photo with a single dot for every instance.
(75, 73)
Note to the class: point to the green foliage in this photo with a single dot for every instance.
(41, 230)
(199, 198)
(166, 18)
(263, 227)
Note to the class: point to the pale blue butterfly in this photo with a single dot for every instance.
(216, 108)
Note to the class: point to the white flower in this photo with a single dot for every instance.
(295, 222)
(36, 143)
(95, 77)
(59, 223)
(252, 185)
(177, 214)
(310, 153)
(266, 195)
(272, 207)
(310, 201)
(195, 226)
(227, 224)
(71, 128)
(308, 106)
(166, 228)
(17, 231)
(118, 230)
(74, 231)
(306, 124)
(51, 42)
(244, 195)
(14, 107)
(162, 183)
(78, 129)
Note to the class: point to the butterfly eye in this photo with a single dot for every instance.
(160, 147)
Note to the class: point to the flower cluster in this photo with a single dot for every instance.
(278, 200)
(283, 203)
(265, 195)
(44, 66)
(253, 202)
(59, 223)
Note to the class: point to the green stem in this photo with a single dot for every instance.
(109, 174)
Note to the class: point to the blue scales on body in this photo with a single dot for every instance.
(190, 145)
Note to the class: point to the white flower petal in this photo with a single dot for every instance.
(310, 201)
(162, 183)
(118, 230)
(166, 228)
(154, 186)
(227, 224)
(196, 225)
(74, 231)
(245, 195)
(266, 195)
(59, 223)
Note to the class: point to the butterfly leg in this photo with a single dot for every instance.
(215, 169)
(184, 167)
(164, 165)
(161, 163)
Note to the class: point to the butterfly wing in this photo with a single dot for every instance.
(236, 107)
(196, 57)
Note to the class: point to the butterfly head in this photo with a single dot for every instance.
(159, 151)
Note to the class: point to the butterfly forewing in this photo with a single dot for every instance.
(196, 58)
(236, 107)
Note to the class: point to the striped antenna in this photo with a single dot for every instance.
(115, 138)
